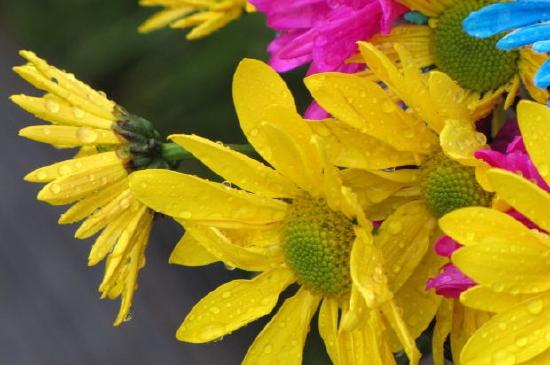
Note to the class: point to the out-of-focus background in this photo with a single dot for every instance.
(50, 311)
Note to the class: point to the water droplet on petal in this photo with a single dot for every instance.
(52, 106)
(268, 349)
(55, 188)
(185, 214)
(86, 135)
(535, 306)
(78, 113)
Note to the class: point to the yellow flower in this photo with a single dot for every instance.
(95, 180)
(509, 261)
(293, 223)
(476, 64)
(204, 16)
(408, 166)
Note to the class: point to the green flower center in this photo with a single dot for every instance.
(447, 185)
(476, 64)
(317, 243)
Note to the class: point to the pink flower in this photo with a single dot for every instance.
(450, 282)
(323, 32)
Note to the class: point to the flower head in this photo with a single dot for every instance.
(531, 21)
(508, 260)
(204, 16)
(323, 33)
(112, 142)
(475, 64)
(293, 223)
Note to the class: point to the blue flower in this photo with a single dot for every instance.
(529, 18)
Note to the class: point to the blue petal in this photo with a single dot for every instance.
(542, 79)
(525, 36)
(542, 46)
(496, 18)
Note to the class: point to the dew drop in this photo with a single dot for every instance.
(64, 170)
(268, 349)
(41, 175)
(521, 341)
(185, 214)
(78, 113)
(55, 188)
(394, 227)
(215, 310)
(503, 357)
(52, 106)
(226, 294)
(86, 135)
(535, 306)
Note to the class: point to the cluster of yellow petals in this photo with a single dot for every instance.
(96, 183)
(203, 16)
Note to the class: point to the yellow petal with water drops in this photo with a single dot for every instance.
(477, 225)
(108, 238)
(355, 313)
(68, 167)
(207, 22)
(367, 272)
(70, 136)
(191, 198)
(403, 239)
(443, 325)
(512, 337)
(292, 160)
(163, 18)
(380, 211)
(419, 305)
(526, 197)
(282, 339)
(364, 105)
(543, 358)
(328, 328)
(373, 187)
(101, 217)
(119, 256)
(264, 237)
(189, 252)
(70, 188)
(256, 86)
(466, 322)
(534, 122)
(246, 258)
(64, 85)
(506, 266)
(451, 100)
(529, 64)
(233, 305)
(60, 112)
(485, 299)
(393, 315)
(91, 203)
(459, 141)
(237, 168)
(348, 148)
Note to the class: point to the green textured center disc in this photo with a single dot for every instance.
(317, 243)
(447, 185)
(476, 64)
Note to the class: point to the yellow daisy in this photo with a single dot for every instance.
(204, 16)
(96, 179)
(408, 166)
(293, 223)
(475, 64)
(509, 261)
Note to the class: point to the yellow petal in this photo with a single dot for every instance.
(459, 140)
(367, 271)
(256, 86)
(443, 324)
(60, 112)
(163, 18)
(393, 316)
(189, 252)
(506, 266)
(485, 299)
(328, 328)
(69, 135)
(356, 313)
(239, 169)
(282, 340)
(246, 258)
(68, 167)
(218, 20)
(524, 196)
(191, 198)
(365, 106)
(529, 64)
(534, 122)
(511, 337)
(403, 239)
(371, 185)
(106, 241)
(67, 189)
(348, 148)
(477, 225)
(233, 305)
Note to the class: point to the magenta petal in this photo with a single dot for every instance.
(445, 246)
(451, 282)
(315, 112)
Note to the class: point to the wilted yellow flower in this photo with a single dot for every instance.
(293, 223)
(510, 262)
(96, 179)
(204, 16)
(475, 64)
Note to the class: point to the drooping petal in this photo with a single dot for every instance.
(248, 300)
(443, 325)
(328, 328)
(392, 313)
(189, 252)
(282, 340)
